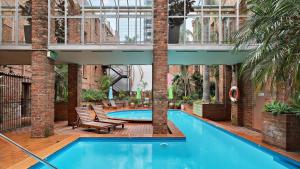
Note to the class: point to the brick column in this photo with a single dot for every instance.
(43, 76)
(74, 90)
(160, 67)
(225, 78)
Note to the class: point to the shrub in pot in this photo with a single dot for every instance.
(281, 126)
(178, 104)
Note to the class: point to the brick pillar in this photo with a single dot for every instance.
(43, 76)
(74, 90)
(236, 108)
(160, 67)
(225, 78)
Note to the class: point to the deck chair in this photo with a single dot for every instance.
(108, 105)
(101, 116)
(84, 120)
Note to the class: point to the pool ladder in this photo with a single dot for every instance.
(27, 152)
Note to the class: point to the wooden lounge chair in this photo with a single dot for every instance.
(84, 120)
(108, 105)
(101, 116)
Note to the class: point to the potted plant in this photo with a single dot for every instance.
(186, 100)
(176, 8)
(281, 125)
(132, 102)
(171, 104)
(26, 10)
(178, 104)
(92, 96)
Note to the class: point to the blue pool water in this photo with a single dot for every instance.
(132, 114)
(205, 147)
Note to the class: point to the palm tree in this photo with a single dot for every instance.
(274, 26)
(206, 84)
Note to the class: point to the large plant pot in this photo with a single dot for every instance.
(282, 131)
(174, 33)
(171, 105)
(27, 33)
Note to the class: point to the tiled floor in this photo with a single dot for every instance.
(9, 155)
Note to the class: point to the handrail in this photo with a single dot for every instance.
(28, 152)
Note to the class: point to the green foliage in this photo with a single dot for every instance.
(274, 26)
(178, 103)
(276, 108)
(187, 99)
(122, 95)
(198, 80)
(296, 104)
(61, 83)
(91, 95)
(105, 82)
(213, 99)
(177, 9)
(182, 83)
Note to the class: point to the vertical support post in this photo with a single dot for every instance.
(43, 75)
(74, 90)
(1, 22)
(236, 109)
(160, 67)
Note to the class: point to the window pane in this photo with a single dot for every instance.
(127, 30)
(74, 8)
(176, 7)
(92, 30)
(210, 31)
(109, 32)
(58, 7)
(211, 2)
(24, 8)
(74, 31)
(228, 7)
(193, 30)
(229, 28)
(176, 33)
(8, 28)
(57, 31)
(8, 7)
(24, 32)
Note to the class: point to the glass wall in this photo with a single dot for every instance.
(204, 21)
(101, 22)
(124, 21)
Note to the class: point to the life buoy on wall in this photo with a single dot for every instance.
(234, 90)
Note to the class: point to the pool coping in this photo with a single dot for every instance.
(29, 162)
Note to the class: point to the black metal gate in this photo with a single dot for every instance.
(15, 101)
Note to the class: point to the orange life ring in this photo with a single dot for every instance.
(234, 89)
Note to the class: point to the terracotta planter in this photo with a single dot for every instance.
(132, 105)
(171, 105)
(282, 131)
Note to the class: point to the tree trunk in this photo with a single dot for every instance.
(217, 90)
(206, 84)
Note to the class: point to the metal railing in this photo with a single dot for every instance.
(15, 101)
(28, 152)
